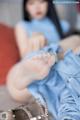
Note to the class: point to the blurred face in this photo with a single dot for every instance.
(37, 8)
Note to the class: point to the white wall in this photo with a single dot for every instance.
(10, 12)
(68, 12)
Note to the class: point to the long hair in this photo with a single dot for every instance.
(51, 14)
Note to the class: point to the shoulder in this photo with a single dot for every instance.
(22, 25)
(65, 25)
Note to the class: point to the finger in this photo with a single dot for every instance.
(52, 60)
(36, 45)
(43, 41)
(34, 34)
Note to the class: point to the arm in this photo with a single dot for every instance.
(22, 40)
(27, 44)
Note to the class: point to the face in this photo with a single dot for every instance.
(37, 8)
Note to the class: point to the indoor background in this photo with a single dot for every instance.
(11, 12)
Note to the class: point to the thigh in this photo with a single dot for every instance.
(70, 42)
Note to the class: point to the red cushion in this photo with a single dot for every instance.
(9, 53)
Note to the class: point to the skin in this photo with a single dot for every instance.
(28, 70)
(26, 44)
(25, 72)
(37, 10)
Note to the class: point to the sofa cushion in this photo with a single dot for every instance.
(9, 53)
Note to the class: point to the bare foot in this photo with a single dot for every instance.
(39, 66)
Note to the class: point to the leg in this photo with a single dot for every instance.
(25, 72)
(71, 42)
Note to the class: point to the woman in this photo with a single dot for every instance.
(40, 20)
(24, 77)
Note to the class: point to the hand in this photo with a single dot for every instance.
(37, 41)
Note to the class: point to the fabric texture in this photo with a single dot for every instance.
(61, 88)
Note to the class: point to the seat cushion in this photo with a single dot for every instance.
(9, 53)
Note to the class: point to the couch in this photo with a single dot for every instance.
(9, 55)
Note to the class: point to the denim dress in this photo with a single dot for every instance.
(61, 88)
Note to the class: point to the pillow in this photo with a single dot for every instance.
(9, 53)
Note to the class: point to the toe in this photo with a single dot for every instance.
(51, 60)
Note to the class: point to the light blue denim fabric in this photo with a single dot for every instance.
(61, 88)
(69, 71)
(46, 27)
